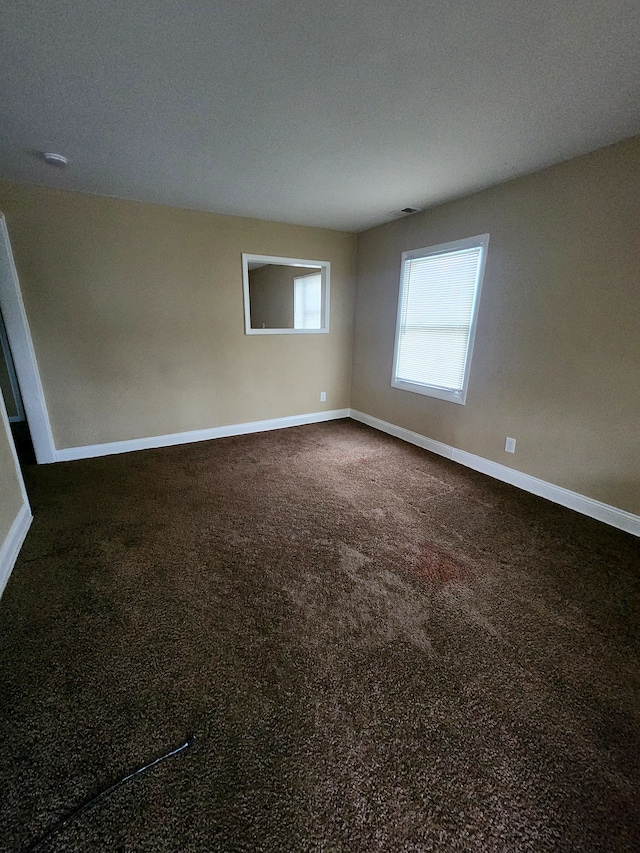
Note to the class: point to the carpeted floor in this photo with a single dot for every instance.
(376, 650)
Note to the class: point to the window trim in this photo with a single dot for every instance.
(480, 241)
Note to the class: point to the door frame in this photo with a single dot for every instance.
(24, 356)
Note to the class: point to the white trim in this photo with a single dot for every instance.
(325, 273)
(13, 542)
(287, 332)
(24, 357)
(89, 451)
(405, 434)
(606, 513)
(611, 515)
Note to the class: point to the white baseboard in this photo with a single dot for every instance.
(11, 546)
(611, 515)
(619, 518)
(88, 451)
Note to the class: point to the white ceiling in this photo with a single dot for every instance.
(321, 112)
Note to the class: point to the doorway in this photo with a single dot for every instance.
(10, 389)
(19, 375)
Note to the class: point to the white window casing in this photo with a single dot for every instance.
(438, 304)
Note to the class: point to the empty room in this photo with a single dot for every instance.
(320, 426)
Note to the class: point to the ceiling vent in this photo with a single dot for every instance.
(406, 211)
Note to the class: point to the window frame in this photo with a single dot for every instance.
(480, 241)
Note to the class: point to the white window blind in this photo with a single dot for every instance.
(307, 301)
(439, 292)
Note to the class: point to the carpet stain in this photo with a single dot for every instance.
(436, 567)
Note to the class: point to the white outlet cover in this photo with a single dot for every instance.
(510, 445)
(323, 396)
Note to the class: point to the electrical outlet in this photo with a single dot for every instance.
(323, 396)
(510, 445)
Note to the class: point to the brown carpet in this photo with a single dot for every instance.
(376, 650)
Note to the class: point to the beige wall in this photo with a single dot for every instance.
(10, 491)
(557, 353)
(136, 313)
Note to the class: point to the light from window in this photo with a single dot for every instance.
(437, 310)
(307, 301)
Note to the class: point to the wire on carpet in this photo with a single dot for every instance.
(90, 803)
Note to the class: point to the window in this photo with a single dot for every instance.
(307, 301)
(437, 310)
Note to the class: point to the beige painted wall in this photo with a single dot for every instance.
(136, 313)
(557, 352)
(10, 491)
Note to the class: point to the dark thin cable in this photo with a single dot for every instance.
(90, 803)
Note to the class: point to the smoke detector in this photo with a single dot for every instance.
(52, 159)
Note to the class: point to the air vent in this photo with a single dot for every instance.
(406, 211)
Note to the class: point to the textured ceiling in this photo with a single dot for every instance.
(331, 113)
